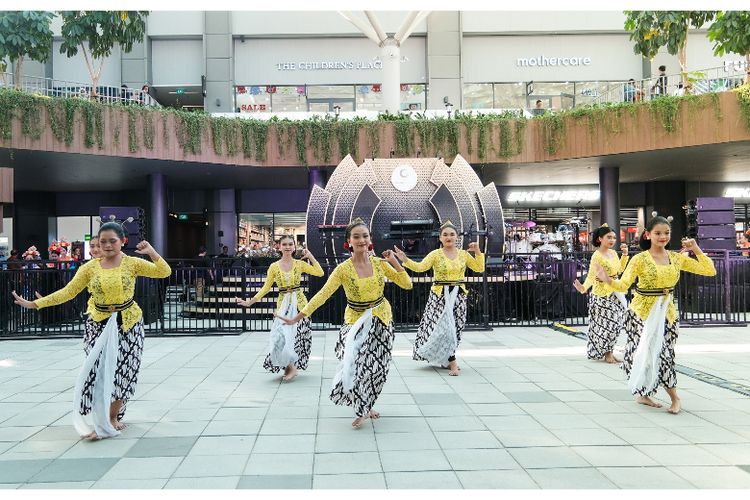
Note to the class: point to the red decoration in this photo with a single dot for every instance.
(370, 247)
(271, 89)
(346, 246)
(376, 87)
(404, 87)
(241, 90)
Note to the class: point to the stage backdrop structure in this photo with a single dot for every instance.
(403, 200)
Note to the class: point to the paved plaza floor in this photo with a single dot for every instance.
(528, 411)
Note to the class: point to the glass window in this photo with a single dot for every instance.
(252, 99)
(369, 96)
(258, 230)
(413, 97)
(477, 96)
(554, 96)
(510, 95)
(288, 98)
(330, 91)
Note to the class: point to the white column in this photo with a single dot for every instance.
(390, 53)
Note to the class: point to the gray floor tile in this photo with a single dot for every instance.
(613, 456)
(470, 439)
(496, 479)
(65, 485)
(477, 459)
(287, 482)
(349, 442)
(20, 471)
(223, 445)
(349, 481)
(130, 484)
(644, 478)
(411, 461)
(466, 423)
(74, 469)
(396, 441)
(343, 463)
(521, 438)
(587, 437)
(423, 398)
(143, 468)
(269, 464)
(211, 466)
(531, 397)
(285, 444)
(569, 478)
(675, 455)
(442, 480)
(162, 447)
(547, 457)
(203, 483)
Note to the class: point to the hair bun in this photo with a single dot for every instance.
(654, 213)
(670, 218)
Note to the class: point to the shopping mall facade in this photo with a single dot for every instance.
(280, 62)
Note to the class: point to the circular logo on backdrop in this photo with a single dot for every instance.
(404, 178)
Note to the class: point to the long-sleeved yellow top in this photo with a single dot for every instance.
(109, 286)
(654, 276)
(288, 279)
(613, 266)
(360, 289)
(445, 269)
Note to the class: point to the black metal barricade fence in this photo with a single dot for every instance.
(516, 290)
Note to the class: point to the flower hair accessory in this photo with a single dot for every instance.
(447, 224)
(656, 214)
(32, 251)
(604, 225)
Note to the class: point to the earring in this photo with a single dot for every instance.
(346, 246)
(370, 247)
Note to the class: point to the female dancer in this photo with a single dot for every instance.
(94, 248)
(606, 307)
(449, 267)
(286, 273)
(366, 338)
(651, 320)
(113, 342)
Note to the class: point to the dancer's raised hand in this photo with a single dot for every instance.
(26, 304)
(390, 257)
(601, 273)
(474, 247)
(245, 303)
(400, 254)
(578, 286)
(624, 248)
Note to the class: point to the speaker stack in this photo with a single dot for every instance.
(711, 223)
(136, 229)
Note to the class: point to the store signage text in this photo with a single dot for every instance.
(542, 61)
(252, 107)
(328, 65)
(553, 195)
(737, 192)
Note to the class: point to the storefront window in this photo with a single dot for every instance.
(288, 98)
(369, 96)
(413, 97)
(259, 230)
(252, 99)
(510, 95)
(478, 96)
(555, 96)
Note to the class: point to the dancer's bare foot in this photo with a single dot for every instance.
(359, 421)
(676, 406)
(291, 372)
(645, 400)
(453, 368)
(92, 436)
(117, 425)
(374, 414)
(611, 359)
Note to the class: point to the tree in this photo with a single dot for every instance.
(25, 34)
(652, 29)
(97, 32)
(730, 33)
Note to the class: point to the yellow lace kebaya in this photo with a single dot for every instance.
(652, 276)
(109, 286)
(446, 269)
(288, 280)
(360, 289)
(613, 267)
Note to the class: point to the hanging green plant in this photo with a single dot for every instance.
(6, 114)
(483, 135)
(132, 112)
(284, 134)
(439, 135)
(62, 114)
(164, 130)
(505, 139)
(190, 131)
(402, 131)
(373, 138)
(424, 131)
(453, 137)
(347, 134)
(520, 135)
(149, 131)
(469, 123)
(217, 134)
(743, 98)
(232, 136)
(553, 131)
(300, 133)
(116, 124)
(260, 136)
(246, 133)
(31, 119)
(665, 110)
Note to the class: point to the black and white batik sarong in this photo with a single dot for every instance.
(432, 312)
(369, 369)
(121, 374)
(665, 373)
(605, 324)
(302, 347)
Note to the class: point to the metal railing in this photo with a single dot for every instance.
(717, 79)
(51, 87)
(515, 290)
